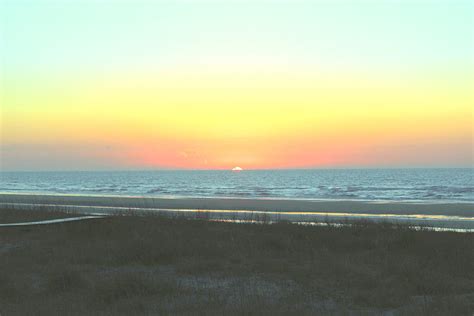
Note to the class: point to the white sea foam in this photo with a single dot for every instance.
(451, 185)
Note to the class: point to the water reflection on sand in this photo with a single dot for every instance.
(435, 222)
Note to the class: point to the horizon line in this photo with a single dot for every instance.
(244, 169)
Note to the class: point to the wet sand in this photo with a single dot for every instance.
(443, 215)
(276, 205)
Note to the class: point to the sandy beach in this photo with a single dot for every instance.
(443, 215)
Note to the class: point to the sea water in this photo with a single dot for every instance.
(449, 185)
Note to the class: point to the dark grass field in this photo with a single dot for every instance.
(11, 215)
(135, 265)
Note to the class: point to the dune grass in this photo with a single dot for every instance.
(12, 215)
(125, 265)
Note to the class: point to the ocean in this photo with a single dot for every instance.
(444, 185)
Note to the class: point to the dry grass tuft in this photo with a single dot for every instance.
(155, 265)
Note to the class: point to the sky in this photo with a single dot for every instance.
(106, 85)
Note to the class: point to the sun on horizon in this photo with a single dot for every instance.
(95, 85)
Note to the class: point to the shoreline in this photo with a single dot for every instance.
(435, 222)
(462, 209)
(452, 215)
(251, 198)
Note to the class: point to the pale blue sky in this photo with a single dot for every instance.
(395, 77)
(71, 35)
